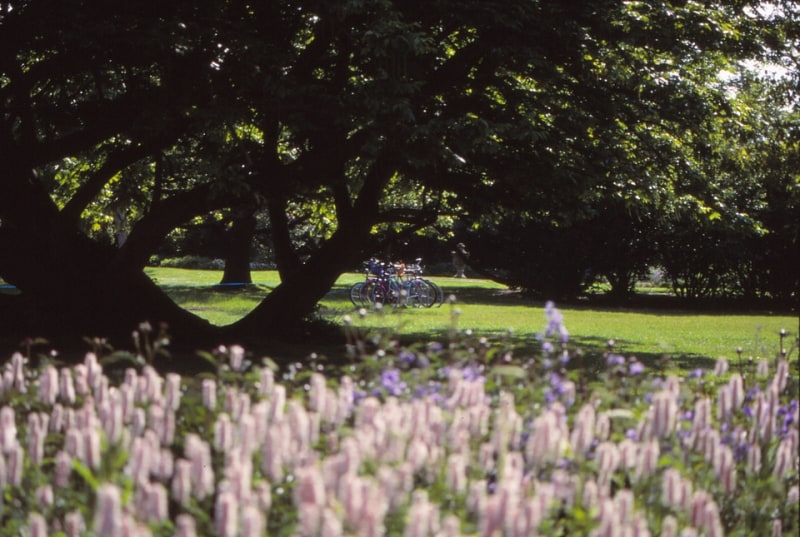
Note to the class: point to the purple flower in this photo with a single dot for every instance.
(556, 383)
(472, 373)
(435, 347)
(787, 413)
(555, 322)
(787, 423)
(636, 368)
(697, 373)
(392, 383)
(431, 389)
(547, 347)
(615, 360)
(740, 453)
(406, 358)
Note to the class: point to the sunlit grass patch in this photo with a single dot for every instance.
(490, 309)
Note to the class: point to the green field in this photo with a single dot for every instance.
(489, 309)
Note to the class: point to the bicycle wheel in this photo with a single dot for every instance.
(438, 294)
(420, 294)
(356, 294)
(378, 294)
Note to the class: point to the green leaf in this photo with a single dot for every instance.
(86, 473)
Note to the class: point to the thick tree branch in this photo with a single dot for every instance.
(89, 190)
(148, 232)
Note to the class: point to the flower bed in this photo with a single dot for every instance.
(449, 439)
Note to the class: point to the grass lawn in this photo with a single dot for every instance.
(689, 338)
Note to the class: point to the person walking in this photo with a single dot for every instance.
(460, 256)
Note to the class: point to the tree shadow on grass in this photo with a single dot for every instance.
(640, 302)
(188, 294)
(587, 353)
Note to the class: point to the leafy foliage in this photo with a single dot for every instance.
(353, 124)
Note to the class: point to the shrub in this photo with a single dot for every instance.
(193, 262)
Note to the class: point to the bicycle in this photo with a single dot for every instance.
(399, 284)
(421, 291)
(361, 292)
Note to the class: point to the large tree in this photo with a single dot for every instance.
(317, 109)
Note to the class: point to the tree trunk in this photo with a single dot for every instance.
(285, 256)
(68, 289)
(70, 285)
(284, 309)
(238, 240)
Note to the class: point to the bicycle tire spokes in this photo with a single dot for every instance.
(397, 284)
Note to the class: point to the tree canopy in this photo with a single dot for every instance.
(361, 114)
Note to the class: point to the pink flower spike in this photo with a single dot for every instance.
(609, 524)
(711, 520)
(8, 428)
(669, 526)
(785, 459)
(223, 433)
(93, 370)
(317, 393)
(583, 430)
(697, 509)
(181, 487)
(665, 413)
(736, 389)
(18, 381)
(266, 381)
(647, 461)
(63, 469)
(310, 488)
(623, 503)
(37, 525)
(44, 495)
(185, 526)
(108, 511)
(172, 397)
(456, 473)
(671, 488)
(14, 465)
(202, 473)
(724, 403)
(721, 366)
(209, 391)
(48, 385)
(253, 523)
(74, 524)
(236, 357)
(725, 468)
(331, 524)
(226, 514)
